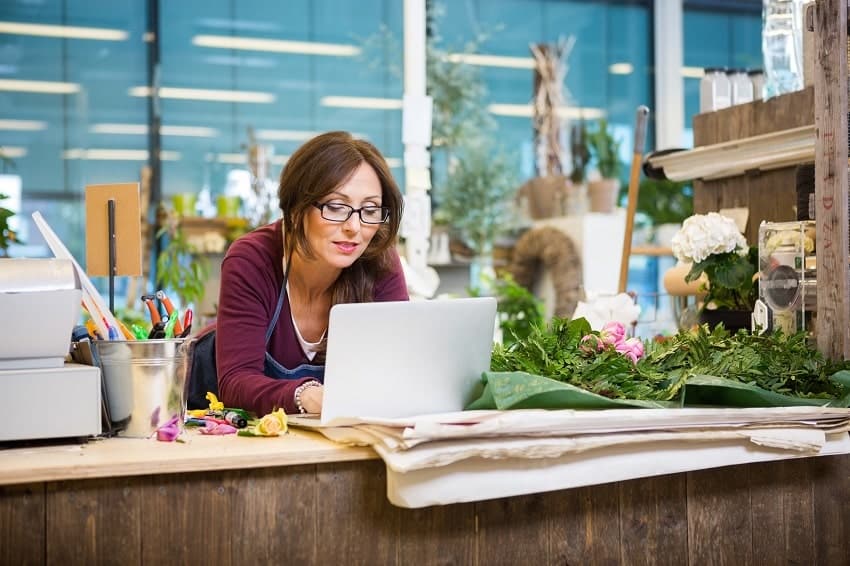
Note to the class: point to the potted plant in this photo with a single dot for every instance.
(715, 249)
(7, 235)
(605, 149)
(179, 266)
(476, 202)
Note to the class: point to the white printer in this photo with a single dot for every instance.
(43, 396)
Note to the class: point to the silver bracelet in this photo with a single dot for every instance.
(299, 390)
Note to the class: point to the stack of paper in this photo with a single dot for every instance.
(474, 455)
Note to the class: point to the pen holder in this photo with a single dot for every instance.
(144, 382)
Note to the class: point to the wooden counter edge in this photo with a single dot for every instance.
(120, 457)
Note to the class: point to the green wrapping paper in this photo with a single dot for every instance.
(711, 390)
(520, 390)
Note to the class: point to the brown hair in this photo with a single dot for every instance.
(315, 170)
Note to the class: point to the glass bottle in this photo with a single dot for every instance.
(782, 46)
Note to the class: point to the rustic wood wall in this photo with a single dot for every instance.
(770, 195)
(791, 512)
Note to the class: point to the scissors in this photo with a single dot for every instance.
(150, 302)
(158, 331)
(169, 308)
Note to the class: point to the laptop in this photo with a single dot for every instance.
(405, 358)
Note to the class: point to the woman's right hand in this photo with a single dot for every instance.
(311, 399)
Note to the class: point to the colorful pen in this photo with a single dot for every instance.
(187, 323)
(139, 332)
(171, 325)
(125, 331)
(111, 330)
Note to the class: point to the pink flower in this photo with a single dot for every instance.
(613, 333)
(631, 348)
(169, 431)
(214, 428)
(590, 344)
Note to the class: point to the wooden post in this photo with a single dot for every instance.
(833, 313)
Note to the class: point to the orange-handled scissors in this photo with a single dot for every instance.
(169, 308)
(150, 302)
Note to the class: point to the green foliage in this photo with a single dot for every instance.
(605, 149)
(7, 235)
(730, 279)
(663, 201)
(520, 312)
(180, 268)
(476, 198)
(458, 91)
(774, 362)
(553, 351)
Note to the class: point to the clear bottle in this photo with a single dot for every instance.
(782, 45)
(714, 90)
(756, 77)
(742, 88)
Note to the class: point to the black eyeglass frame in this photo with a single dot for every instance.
(385, 210)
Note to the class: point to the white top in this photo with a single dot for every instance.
(309, 348)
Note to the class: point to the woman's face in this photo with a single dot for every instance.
(339, 244)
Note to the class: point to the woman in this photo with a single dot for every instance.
(335, 244)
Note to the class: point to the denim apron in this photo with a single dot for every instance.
(272, 368)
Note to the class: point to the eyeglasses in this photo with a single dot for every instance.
(338, 212)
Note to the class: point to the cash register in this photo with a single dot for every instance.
(43, 395)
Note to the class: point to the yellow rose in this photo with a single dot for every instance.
(272, 424)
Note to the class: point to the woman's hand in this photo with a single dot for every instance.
(311, 399)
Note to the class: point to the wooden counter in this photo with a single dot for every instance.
(302, 500)
(136, 456)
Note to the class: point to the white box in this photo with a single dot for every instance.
(36, 329)
(50, 403)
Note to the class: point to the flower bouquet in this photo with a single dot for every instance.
(714, 247)
(568, 365)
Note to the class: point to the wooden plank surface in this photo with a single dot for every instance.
(787, 512)
(770, 195)
(186, 519)
(357, 522)
(831, 202)
(654, 521)
(502, 539)
(454, 526)
(133, 456)
(94, 521)
(584, 525)
(273, 511)
(22, 524)
(831, 484)
(781, 504)
(719, 523)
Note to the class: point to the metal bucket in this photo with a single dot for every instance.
(144, 382)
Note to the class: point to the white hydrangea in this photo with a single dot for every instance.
(703, 235)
